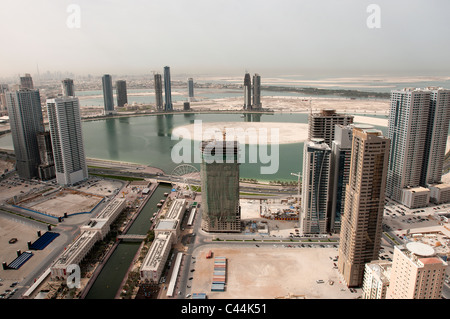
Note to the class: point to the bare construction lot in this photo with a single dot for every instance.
(64, 201)
(268, 272)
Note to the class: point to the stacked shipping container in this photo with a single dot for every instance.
(220, 274)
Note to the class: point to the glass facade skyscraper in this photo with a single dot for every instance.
(26, 121)
(121, 92)
(158, 91)
(108, 94)
(167, 90)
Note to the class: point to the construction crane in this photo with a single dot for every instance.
(310, 106)
(299, 175)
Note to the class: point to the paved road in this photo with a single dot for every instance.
(259, 189)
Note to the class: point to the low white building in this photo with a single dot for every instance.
(102, 222)
(167, 225)
(376, 279)
(439, 193)
(153, 264)
(415, 197)
(177, 209)
(99, 225)
(95, 230)
(74, 253)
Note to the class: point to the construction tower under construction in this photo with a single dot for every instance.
(220, 186)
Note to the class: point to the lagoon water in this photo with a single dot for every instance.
(148, 140)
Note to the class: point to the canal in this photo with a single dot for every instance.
(108, 281)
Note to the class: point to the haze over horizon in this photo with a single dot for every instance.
(226, 37)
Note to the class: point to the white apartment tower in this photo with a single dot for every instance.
(438, 124)
(67, 140)
(417, 273)
(418, 128)
(26, 121)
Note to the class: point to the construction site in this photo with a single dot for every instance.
(276, 217)
(271, 271)
(60, 202)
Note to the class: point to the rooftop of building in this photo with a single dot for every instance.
(318, 143)
(329, 112)
(440, 186)
(166, 224)
(420, 249)
(430, 261)
(418, 189)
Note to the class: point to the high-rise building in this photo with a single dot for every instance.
(220, 186)
(322, 127)
(108, 94)
(167, 90)
(408, 120)
(341, 149)
(376, 279)
(3, 89)
(361, 225)
(321, 124)
(26, 82)
(158, 91)
(417, 273)
(247, 92)
(46, 169)
(191, 89)
(316, 174)
(437, 128)
(26, 121)
(256, 91)
(67, 87)
(418, 126)
(121, 92)
(67, 140)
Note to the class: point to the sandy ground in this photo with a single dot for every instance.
(273, 269)
(277, 104)
(271, 272)
(13, 186)
(299, 104)
(246, 132)
(100, 187)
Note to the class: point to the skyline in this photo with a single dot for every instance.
(142, 191)
(268, 37)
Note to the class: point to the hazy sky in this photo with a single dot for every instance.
(225, 36)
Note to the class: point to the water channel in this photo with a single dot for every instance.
(108, 281)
